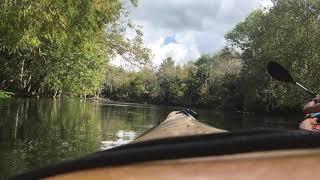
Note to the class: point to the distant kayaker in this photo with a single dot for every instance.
(312, 109)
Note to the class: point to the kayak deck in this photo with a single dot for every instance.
(284, 165)
(178, 124)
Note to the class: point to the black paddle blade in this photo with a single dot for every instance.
(278, 72)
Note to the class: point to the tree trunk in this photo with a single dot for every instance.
(27, 82)
(38, 92)
(97, 94)
(22, 83)
(29, 88)
(3, 83)
(59, 93)
(55, 94)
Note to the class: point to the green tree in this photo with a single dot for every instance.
(145, 86)
(49, 47)
(170, 84)
(287, 33)
(209, 81)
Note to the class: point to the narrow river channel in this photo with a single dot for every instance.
(37, 132)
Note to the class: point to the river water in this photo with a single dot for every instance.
(34, 132)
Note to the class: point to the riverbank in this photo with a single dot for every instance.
(274, 112)
(139, 102)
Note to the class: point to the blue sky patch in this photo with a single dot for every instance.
(169, 39)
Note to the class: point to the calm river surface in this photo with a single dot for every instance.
(36, 132)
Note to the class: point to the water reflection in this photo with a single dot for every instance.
(37, 132)
(34, 133)
(123, 137)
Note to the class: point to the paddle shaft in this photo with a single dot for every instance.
(307, 90)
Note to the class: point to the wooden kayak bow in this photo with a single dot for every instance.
(177, 123)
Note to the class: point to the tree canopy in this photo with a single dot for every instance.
(287, 33)
(47, 47)
(63, 47)
(236, 77)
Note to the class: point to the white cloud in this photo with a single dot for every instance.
(197, 25)
(179, 52)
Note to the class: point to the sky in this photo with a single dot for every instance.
(185, 29)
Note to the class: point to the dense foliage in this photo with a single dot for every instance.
(63, 47)
(49, 47)
(209, 81)
(4, 94)
(288, 33)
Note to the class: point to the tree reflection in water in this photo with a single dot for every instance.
(36, 132)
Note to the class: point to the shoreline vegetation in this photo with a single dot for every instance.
(5, 94)
(65, 51)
